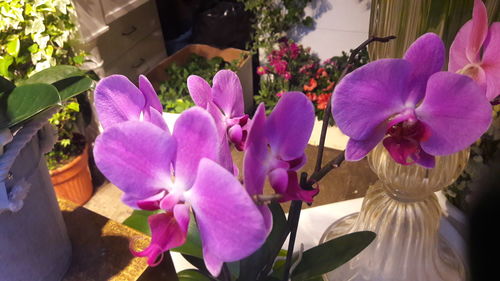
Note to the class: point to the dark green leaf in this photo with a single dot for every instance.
(25, 101)
(192, 275)
(139, 221)
(53, 74)
(5, 85)
(257, 265)
(332, 254)
(72, 86)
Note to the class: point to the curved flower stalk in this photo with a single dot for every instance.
(416, 110)
(475, 51)
(175, 173)
(224, 100)
(275, 148)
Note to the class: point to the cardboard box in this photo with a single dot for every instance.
(158, 75)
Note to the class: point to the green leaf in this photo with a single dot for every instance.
(192, 275)
(5, 85)
(139, 221)
(72, 86)
(332, 254)
(53, 74)
(24, 102)
(5, 62)
(254, 267)
(12, 47)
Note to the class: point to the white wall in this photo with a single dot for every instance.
(340, 25)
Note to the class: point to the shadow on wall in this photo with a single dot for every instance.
(316, 9)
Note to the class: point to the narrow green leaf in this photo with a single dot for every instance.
(332, 254)
(254, 267)
(5, 62)
(192, 275)
(53, 74)
(24, 102)
(72, 86)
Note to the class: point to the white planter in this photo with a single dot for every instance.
(335, 139)
(34, 244)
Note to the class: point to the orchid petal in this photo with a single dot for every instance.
(255, 166)
(478, 32)
(426, 55)
(139, 170)
(295, 192)
(278, 178)
(458, 58)
(200, 90)
(167, 232)
(156, 118)
(117, 100)
(424, 159)
(289, 126)
(235, 133)
(357, 149)
(227, 93)
(150, 204)
(197, 138)
(456, 121)
(400, 149)
(149, 93)
(491, 61)
(224, 151)
(231, 226)
(368, 96)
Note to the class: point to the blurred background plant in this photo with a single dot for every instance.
(174, 94)
(484, 155)
(35, 35)
(272, 19)
(291, 67)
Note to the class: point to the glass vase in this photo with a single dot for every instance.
(402, 209)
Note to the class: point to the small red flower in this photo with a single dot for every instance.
(323, 100)
(311, 85)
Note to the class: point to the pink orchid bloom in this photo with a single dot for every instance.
(224, 101)
(175, 172)
(118, 100)
(275, 148)
(475, 51)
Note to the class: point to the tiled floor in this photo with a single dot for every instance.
(346, 182)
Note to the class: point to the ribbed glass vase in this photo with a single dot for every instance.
(402, 209)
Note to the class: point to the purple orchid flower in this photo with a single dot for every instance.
(416, 110)
(118, 100)
(177, 172)
(224, 101)
(275, 148)
(476, 51)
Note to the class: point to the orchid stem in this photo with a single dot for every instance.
(327, 112)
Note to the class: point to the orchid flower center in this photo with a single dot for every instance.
(471, 70)
(404, 138)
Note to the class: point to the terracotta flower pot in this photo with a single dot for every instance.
(73, 181)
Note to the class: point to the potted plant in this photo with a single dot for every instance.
(35, 36)
(68, 160)
(33, 238)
